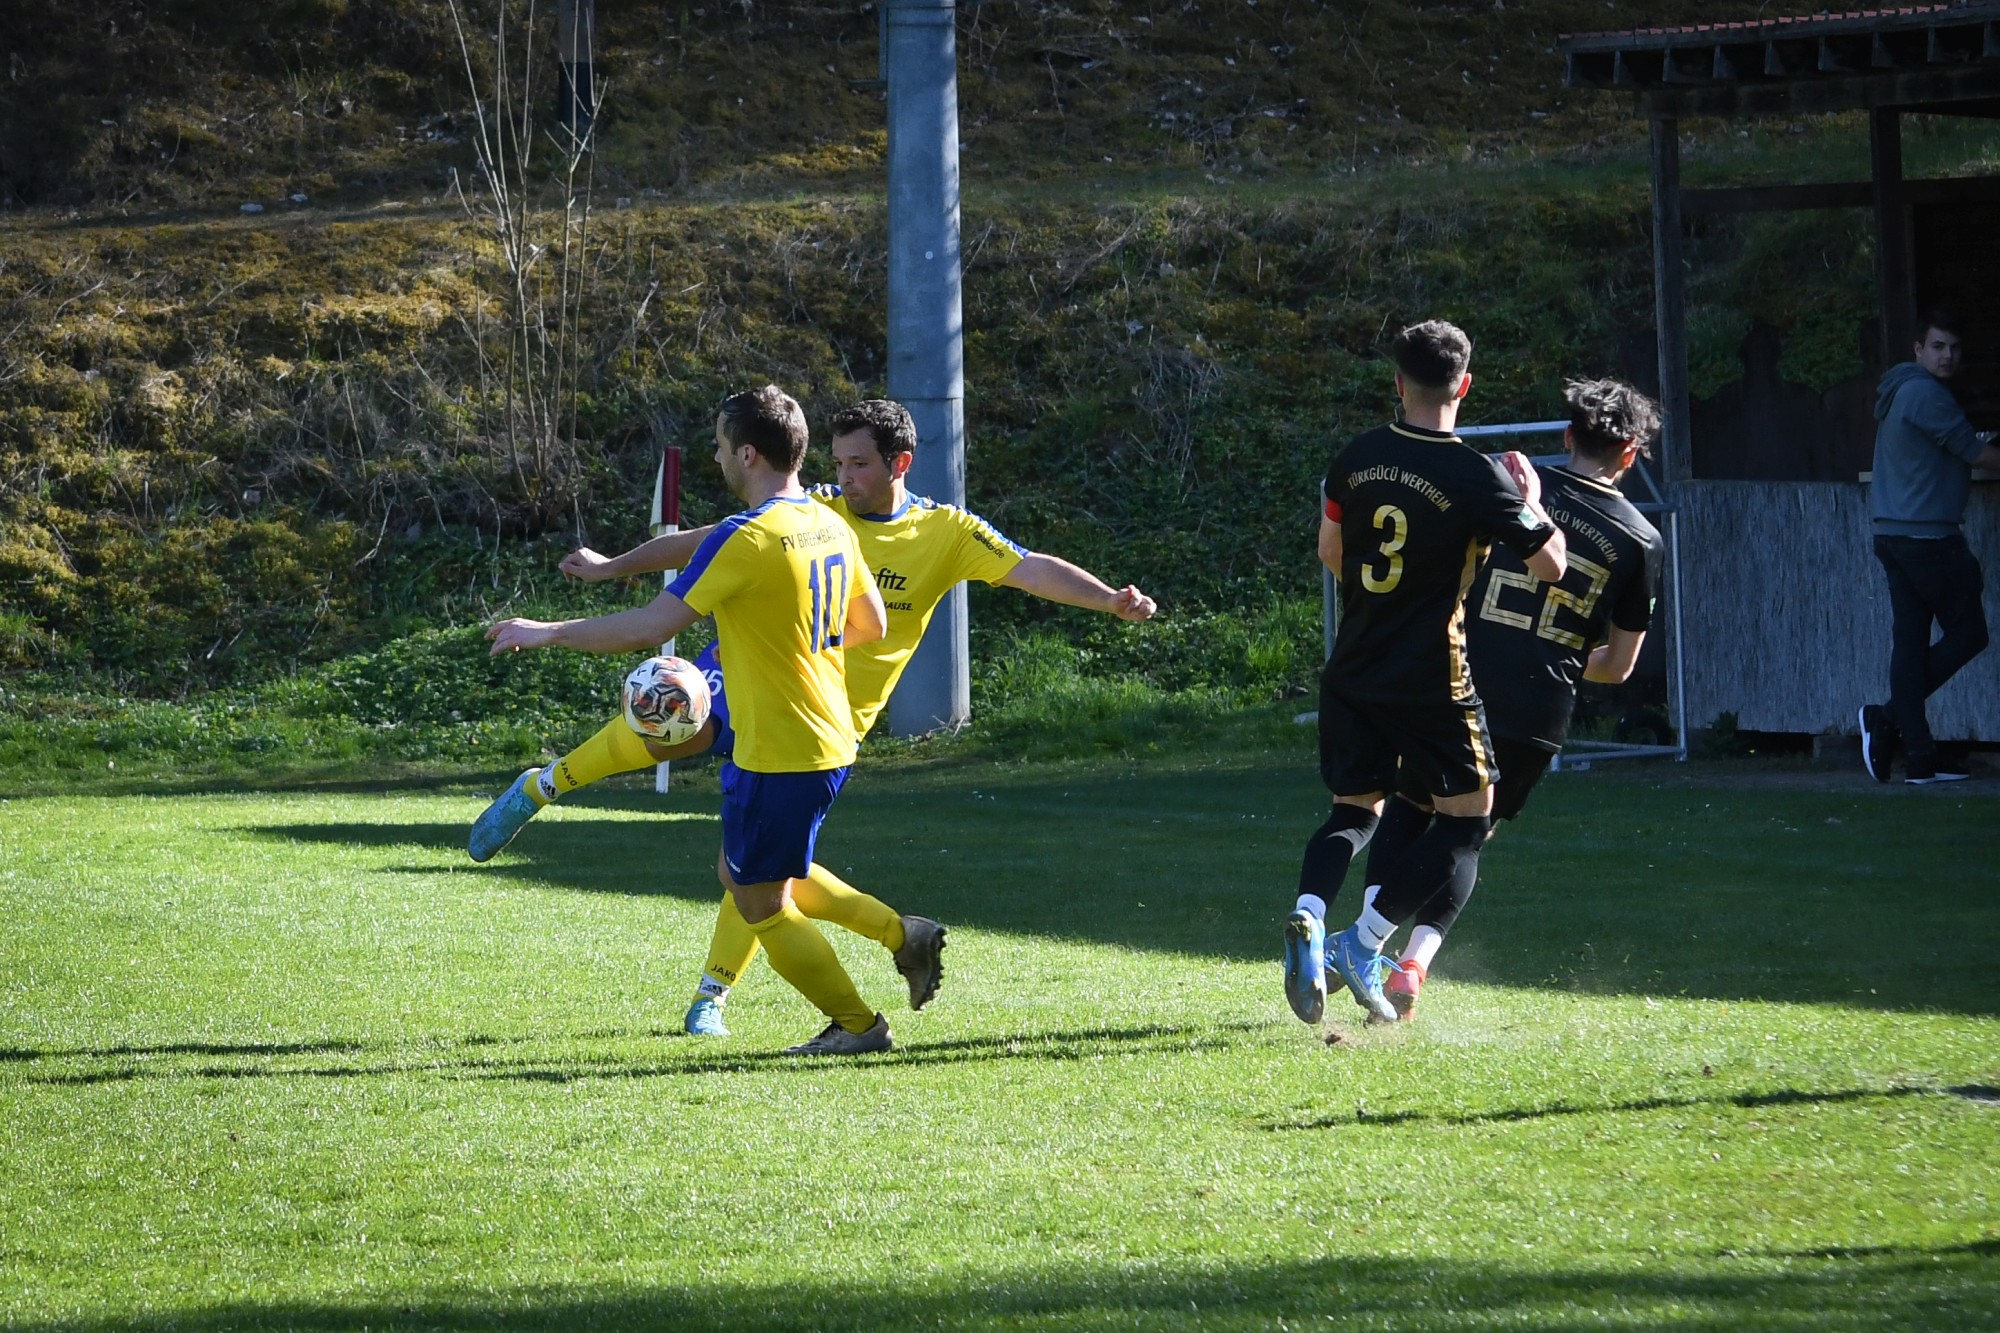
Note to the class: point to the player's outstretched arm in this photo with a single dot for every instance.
(1054, 579)
(1551, 562)
(628, 631)
(867, 617)
(669, 550)
(1611, 662)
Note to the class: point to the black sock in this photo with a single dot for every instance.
(1445, 860)
(1402, 824)
(1332, 846)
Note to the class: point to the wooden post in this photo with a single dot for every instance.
(1670, 301)
(1892, 233)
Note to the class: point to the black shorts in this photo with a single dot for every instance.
(1363, 744)
(1521, 767)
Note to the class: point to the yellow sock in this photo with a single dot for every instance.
(801, 955)
(825, 896)
(616, 748)
(732, 947)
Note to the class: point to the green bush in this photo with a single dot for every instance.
(442, 678)
(1271, 649)
(1165, 685)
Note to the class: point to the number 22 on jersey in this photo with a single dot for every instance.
(1542, 621)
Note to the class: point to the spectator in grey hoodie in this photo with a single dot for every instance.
(1925, 451)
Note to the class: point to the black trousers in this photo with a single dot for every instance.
(1930, 579)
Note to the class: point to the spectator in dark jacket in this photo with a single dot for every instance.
(1925, 451)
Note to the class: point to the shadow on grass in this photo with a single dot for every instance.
(674, 856)
(704, 1060)
(1618, 884)
(1840, 1291)
(15, 1054)
(1744, 1100)
(332, 780)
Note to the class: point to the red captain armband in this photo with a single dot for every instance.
(1332, 511)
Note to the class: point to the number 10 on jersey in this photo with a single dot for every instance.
(828, 581)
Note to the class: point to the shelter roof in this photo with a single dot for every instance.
(1941, 56)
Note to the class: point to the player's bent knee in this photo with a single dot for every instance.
(687, 749)
(1472, 805)
(758, 903)
(754, 902)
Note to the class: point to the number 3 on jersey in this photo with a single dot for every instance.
(1394, 525)
(828, 580)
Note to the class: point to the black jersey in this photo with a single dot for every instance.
(1529, 639)
(1418, 510)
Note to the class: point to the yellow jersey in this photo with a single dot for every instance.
(777, 579)
(917, 555)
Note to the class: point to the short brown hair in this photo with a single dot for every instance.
(888, 424)
(770, 421)
(1432, 355)
(1944, 321)
(1607, 415)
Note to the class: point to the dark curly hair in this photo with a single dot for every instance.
(1433, 356)
(1944, 321)
(1607, 415)
(887, 423)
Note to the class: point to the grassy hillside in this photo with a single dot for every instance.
(1188, 231)
(202, 103)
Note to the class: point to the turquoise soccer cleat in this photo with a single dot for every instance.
(704, 1018)
(1363, 969)
(1305, 973)
(500, 821)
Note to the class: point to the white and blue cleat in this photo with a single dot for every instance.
(704, 1018)
(1305, 972)
(500, 821)
(1363, 969)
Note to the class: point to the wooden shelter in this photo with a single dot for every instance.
(1785, 612)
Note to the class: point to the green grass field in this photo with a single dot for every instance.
(1715, 1048)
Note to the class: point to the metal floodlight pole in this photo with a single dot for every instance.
(926, 324)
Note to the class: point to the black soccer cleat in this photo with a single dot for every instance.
(921, 959)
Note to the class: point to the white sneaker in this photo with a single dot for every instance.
(837, 1040)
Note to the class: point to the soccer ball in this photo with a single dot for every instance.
(666, 699)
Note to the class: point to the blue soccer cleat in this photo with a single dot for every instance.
(1363, 969)
(500, 821)
(704, 1018)
(1305, 973)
